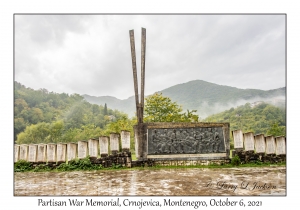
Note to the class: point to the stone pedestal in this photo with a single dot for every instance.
(61, 152)
(103, 141)
(41, 153)
(17, 152)
(260, 144)
(249, 141)
(114, 142)
(280, 145)
(93, 148)
(72, 151)
(238, 139)
(32, 153)
(125, 139)
(270, 145)
(82, 149)
(24, 152)
(51, 153)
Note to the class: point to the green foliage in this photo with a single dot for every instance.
(276, 130)
(235, 161)
(22, 166)
(116, 166)
(105, 109)
(42, 117)
(41, 168)
(262, 118)
(161, 109)
(79, 164)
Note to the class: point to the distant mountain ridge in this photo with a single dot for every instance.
(205, 97)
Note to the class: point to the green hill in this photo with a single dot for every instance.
(257, 118)
(205, 97)
(32, 107)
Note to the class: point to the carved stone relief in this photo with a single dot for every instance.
(186, 140)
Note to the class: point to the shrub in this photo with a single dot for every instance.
(22, 165)
(236, 160)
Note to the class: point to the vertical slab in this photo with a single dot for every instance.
(280, 145)
(61, 152)
(17, 152)
(125, 139)
(249, 141)
(114, 142)
(32, 153)
(51, 153)
(270, 145)
(72, 151)
(93, 148)
(23, 152)
(41, 153)
(103, 140)
(238, 139)
(82, 149)
(260, 144)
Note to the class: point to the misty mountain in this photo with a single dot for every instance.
(205, 97)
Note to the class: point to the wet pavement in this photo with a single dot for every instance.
(159, 182)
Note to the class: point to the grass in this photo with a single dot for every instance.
(86, 165)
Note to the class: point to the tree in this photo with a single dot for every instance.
(276, 130)
(105, 109)
(161, 109)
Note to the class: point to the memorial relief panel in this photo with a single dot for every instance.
(186, 140)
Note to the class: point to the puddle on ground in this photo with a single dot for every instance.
(159, 182)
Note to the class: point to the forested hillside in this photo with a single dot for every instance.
(42, 116)
(205, 97)
(259, 118)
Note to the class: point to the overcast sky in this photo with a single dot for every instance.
(90, 54)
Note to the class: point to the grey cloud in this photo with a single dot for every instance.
(91, 54)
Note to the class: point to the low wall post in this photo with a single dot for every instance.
(17, 152)
(61, 152)
(32, 153)
(24, 152)
(51, 153)
(114, 143)
(82, 149)
(72, 151)
(103, 141)
(42, 153)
